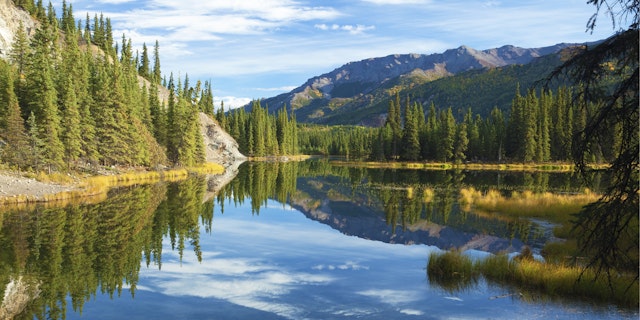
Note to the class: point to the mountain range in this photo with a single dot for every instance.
(358, 93)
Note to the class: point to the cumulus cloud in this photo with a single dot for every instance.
(231, 102)
(247, 282)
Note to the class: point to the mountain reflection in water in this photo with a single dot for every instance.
(56, 259)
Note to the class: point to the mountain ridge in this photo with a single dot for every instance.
(365, 82)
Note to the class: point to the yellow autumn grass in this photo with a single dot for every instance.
(527, 274)
(524, 167)
(527, 203)
(97, 186)
(560, 280)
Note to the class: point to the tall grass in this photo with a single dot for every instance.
(555, 280)
(451, 271)
(556, 207)
(560, 280)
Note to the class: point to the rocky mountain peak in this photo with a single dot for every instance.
(360, 78)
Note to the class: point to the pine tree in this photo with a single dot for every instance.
(410, 139)
(430, 141)
(157, 76)
(516, 127)
(71, 135)
(43, 97)
(206, 101)
(461, 143)
(530, 125)
(447, 135)
(12, 128)
(158, 116)
(495, 142)
(36, 144)
(143, 68)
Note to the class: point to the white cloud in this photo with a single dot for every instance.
(352, 29)
(412, 312)
(397, 2)
(231, 102)
(349, 265)
(246, 282)
(284, 88)
(392, 297)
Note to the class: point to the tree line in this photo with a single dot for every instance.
(260, 133)
(540, 128)
(70, 96)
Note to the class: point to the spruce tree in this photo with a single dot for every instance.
(143, 69)
(447, 135)
(410, 139)
(461, 144)
(43, 97)
(157, 76)
(12, 128)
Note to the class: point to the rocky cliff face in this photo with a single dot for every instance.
(10, 19)
(220, 146)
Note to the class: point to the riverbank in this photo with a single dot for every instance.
(16, 188)
(13, 184)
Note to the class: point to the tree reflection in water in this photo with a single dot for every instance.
(81, 249)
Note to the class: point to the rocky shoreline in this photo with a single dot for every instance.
(12, 185)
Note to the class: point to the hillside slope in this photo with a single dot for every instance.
(358, 92)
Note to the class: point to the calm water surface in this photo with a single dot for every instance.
(281, 241)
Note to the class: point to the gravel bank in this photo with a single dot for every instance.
(13, 185)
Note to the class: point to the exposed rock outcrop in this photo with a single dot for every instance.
(10, 19)
(17, 295)
(219, 145)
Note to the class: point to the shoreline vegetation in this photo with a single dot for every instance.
(68, 186)
(61, 187)
(546, 167)
(454, 271)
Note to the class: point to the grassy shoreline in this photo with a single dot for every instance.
(97, 186)
(547, 167)
(454, 271)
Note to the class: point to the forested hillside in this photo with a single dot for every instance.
(358, 92)
(478, 90)
(71, 97)
(540, 129)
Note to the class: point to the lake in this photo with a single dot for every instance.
(305, 240)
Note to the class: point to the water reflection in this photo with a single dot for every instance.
(54, 256)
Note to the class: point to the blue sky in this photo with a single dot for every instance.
(251, 49)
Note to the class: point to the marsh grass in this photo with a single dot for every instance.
(525, 167)
(552, 206)
(451, 271)
(552, 279)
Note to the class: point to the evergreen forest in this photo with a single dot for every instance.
(539, 128)
(72, 98)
